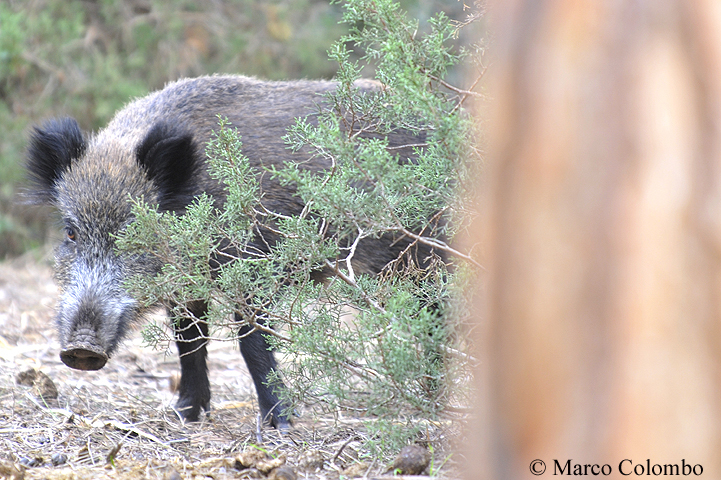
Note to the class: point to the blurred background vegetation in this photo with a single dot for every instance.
(87, 58)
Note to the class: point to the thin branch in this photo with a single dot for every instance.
(352, 283)
(269, 331)
(340, 450)
(440, 245)
(349, 258)
(464, 97)
(410, 145)
(459, 91)
(458, 354)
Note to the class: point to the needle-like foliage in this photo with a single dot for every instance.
(389, 347)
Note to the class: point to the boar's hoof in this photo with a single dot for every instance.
(189, 410)
(282, 425)
(81, 358)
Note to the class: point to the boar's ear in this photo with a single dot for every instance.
(51, 151)
(170, 158)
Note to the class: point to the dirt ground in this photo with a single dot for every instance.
(119, 423)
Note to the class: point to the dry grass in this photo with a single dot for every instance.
(119, 422)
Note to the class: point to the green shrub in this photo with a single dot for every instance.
(387, 348)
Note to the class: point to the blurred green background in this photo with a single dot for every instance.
(87, 58)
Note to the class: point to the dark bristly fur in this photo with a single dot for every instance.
(154, 148)
(171, 160)
(52, 149)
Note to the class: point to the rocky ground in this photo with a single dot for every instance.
(119, 423)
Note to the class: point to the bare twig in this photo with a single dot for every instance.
(464, 97)
(410, 145)
(352, 283)
(440, 245)
(342, 447)
(453, 88)
(349, 258)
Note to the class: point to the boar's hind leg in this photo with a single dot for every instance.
(260, 361)
(191, 338)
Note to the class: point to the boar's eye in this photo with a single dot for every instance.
(70, 232)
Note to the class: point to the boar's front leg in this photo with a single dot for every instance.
(259, 358)
(191, 336)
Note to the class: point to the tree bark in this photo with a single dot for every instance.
(601, 232)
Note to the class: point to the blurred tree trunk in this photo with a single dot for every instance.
(602, 233)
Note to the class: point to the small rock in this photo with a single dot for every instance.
(283, 473)
(58, 459)
(269, 464)
(412, 460)
(248, 458)
(42, 385)
(356, 470)
(26, 377)
(171, 474)
(311, 461)
(254, 458)
(31, 462)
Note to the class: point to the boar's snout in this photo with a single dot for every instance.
(91, 321)
(83, 358)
